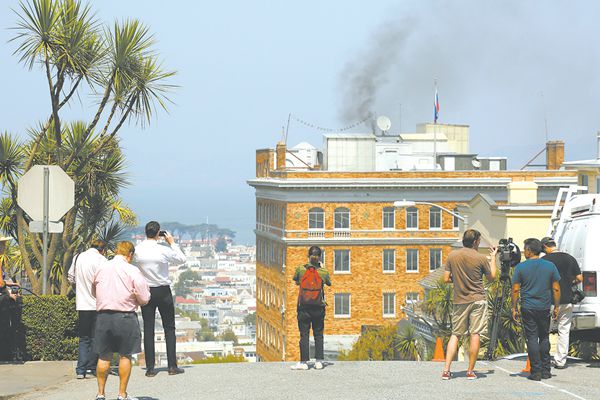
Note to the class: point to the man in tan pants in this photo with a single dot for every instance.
(465, 268)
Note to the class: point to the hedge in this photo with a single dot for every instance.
(50, 328)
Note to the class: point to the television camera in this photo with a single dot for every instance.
(509, 255)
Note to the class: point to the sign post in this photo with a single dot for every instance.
(46, 193)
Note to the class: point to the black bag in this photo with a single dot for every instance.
(578, 294)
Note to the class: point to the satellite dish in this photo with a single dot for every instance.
(384, 123)
(476, 163)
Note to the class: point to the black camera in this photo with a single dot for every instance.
(162, 233)
(577, 294)
(509, 255)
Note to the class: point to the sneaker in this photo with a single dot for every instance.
(127, 397)
(446, 375)
(100, 397)
(471, 375)
(319, 364)
(301, 366)
(535, 377)
(80, 376)
(560, 366)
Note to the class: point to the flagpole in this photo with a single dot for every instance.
(435, 105)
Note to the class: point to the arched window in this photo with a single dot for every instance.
(389, 220)
(455, 220)
(316, 218)
(341, 218)
(412, 218)
(435, 218)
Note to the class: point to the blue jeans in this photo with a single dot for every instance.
(87, 357)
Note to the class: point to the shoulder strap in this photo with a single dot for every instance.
(75, 265)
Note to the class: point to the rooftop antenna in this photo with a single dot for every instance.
(384, 124)
(287, 128)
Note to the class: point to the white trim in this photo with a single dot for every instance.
(343, 272)
(388, 271)
(412, 271)
(383, 305)
(343, 316)
(383, 219)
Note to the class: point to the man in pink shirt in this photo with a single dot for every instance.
(119, 288)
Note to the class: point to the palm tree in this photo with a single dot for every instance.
(438, 305)
(410, 344)
(120, 65)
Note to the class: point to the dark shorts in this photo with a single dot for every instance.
(117, 332)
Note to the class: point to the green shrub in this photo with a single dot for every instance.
(230, 358)
(50, 328)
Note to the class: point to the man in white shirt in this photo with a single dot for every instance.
(153, 259)
(82, 271)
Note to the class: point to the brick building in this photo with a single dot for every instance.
(376, 254)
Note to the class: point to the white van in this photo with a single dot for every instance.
(575, 227)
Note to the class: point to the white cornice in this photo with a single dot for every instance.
(356, 241)
(400, 183)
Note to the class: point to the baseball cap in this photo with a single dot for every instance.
(548, 242)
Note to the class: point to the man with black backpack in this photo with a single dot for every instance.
(311, 279)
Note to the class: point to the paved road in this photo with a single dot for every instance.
(21, 378)
(346, 381)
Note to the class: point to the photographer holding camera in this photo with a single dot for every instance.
(153, 259)
(10, 309)
(570, 274)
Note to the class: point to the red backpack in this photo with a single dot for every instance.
(311, 288)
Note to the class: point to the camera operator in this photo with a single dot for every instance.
(536, 280)
(465, 268)
(10, 310)
(570, 274)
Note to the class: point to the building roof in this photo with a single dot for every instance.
(303, 146)
(182, 300)
(594, 163)
(431, 280)
(350, 136)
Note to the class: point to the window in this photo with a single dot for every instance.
(412, 297)
(455, 220)
(341, 305)
(584, 180)
(389, 304)
(435, 218)
(316, 218)
(341, 218)
(389, 220)
(389, 260)
(412, 260)
(435, 259)
(341, 261)
(412, 218)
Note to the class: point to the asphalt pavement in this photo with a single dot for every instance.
(343, 380)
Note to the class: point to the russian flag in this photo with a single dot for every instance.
(436, 107)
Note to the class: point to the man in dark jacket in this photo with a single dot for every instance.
(313, 314)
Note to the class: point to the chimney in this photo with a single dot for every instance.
(555, 154)
(281, 150)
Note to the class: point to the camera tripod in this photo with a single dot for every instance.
(501, 295)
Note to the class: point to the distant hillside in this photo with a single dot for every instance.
(199, 231)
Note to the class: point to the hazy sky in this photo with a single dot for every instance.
(502, 68)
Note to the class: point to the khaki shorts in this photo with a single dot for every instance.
(469, 318)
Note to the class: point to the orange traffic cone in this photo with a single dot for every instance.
(527, 366)
(438, 354)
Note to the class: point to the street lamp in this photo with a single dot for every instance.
(409, 203)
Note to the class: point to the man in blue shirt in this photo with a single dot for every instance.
(537, 282)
